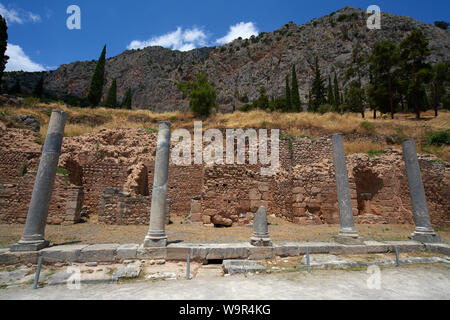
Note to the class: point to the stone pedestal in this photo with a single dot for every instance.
(33, 235)
(347, 234)
(156, 236)
(261, 236)
(424, 231)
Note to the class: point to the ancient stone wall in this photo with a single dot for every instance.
(65, 204)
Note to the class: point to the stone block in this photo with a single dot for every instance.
(227, 253)
(406, 246)
(9, 258)
(261, 253)
(62, 253)
(376, 247)
(127, 251)
(178, 253)
(348, 249)
(99, 253)
(286, 250)
(151, 253)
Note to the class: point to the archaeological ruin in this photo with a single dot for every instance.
(112, 174)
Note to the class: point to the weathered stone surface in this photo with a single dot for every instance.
(151, 253)
(241, 266)
(128, 271)
(127, 251)
(68, 253)
(406, 246)
(441, 248)
(261, 253)
(99, 253)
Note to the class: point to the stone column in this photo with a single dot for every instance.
(156, 236)
(424, 231)
(33, 235)
(347, 234)
(261, 236)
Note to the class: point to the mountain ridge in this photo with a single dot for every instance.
(237, 69)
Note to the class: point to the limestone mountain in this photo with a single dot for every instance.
(238, 69)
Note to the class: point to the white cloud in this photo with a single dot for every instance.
(177, 40)
(18, 16)
(19, 61)
(243, 29)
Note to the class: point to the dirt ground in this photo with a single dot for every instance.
(280, 230)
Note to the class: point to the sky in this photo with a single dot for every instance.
(40, 39)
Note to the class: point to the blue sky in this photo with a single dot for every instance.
(40, 40)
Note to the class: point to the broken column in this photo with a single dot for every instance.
(34, 232)
(156, 236)
(261, 236)
(424, 231)
(347, 233)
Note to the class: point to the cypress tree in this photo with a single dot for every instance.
(3, 45)
(330, 92)
(318, 89)
(295, 96)
(111, 99)
(288, 96)
(127, 102)
(98, 79)
(337, 97)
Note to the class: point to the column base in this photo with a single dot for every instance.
(151, 242)
(25, 246)
(426, 237)
(260, 242)
(349, 238)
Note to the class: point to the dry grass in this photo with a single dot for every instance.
(299, 124)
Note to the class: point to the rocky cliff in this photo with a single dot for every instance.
(241, 67)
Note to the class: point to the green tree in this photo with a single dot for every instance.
(16, 88)
(128, 100)
(414, 52)
(441, 24)
(318, 89)
(337, 96)
(202, 95)
(354, 74)
(263, 100)
(295, 95)
(288, 107)
(440, 77)
(98, 79)
(39, 88)
(3, 45)
(111, 98)
(330, 99)
(383, 63)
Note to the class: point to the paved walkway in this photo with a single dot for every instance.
(404, 283)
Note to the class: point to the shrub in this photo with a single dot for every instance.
(23, 170)
(438, 138)
(368, 126)
(31, 101)
(325, 108)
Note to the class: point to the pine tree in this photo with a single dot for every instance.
(414, 52)
(3, 45)
(288, 96)
(111, 99)
(330, 93)
(440, 77)
(128, 100)
(318, 89)
(295, 96)
(98, 79)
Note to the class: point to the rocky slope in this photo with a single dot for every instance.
(240, 68)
